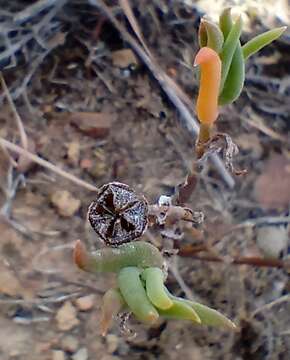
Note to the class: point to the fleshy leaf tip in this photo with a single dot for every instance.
(152, 317)
(80, 254)
(205, 54)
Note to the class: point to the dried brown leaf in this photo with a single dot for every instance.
(250, 142)
(9, 284)
(96, 125)
(271, 188)
(222, 142)
(124, 58)
(185, 190)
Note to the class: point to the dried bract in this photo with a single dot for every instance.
(118, 215)
(222, 142)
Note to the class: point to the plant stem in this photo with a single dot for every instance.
(247, 260)
(203, 137)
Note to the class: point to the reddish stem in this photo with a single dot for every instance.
(247, 260)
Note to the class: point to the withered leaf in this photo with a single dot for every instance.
(271, 189)
(124, 58)
(96, 125)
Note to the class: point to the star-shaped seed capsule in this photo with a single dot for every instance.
(118, 215)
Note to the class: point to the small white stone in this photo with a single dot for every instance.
(65, 203)
(81, 354)
(272, 239)
(112, 341)
(69, 343)
(85, 303)
(58, 355)
(66, 317)
(164, 200)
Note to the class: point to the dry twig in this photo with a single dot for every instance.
(22, 133)
(285, 298)
(247, 260)
(19, 150)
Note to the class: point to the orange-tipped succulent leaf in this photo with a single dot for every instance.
(80, 255)
(210, 77)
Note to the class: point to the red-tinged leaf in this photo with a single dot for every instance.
(80, 256)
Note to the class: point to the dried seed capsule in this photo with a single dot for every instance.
(118, 215)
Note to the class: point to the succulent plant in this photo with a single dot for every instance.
(119, 215)
(224, 39)
(139, 265)
(222, 61)
(141, 290)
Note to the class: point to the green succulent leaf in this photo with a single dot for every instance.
(141, 254)
(229, 48)
(214, 36)
(211, 317)
(207, 315)
(259, 41)
(234, 83)
(154, 284)
(133, 292)
(180, 310)
(225, 22)
(235, 80)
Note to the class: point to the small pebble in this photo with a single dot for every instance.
(69, 343)
(65, 204)
(81, 354)
(66, 317)
(58, 355)
(110, 357)
(85, 303)
(113, 342)
(73, 152)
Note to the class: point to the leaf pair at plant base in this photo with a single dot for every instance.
(145, 295)
(141, 289)
(224, 39)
